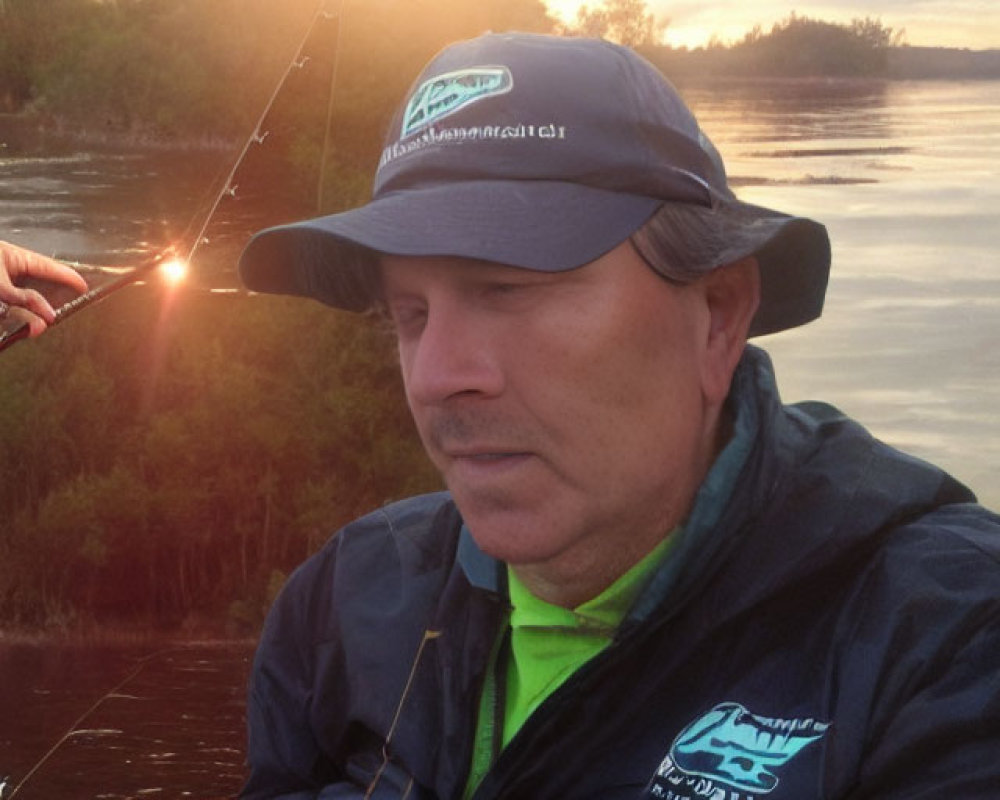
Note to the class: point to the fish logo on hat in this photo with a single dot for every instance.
(443, 95)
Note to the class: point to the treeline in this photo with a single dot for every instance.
(188, 72)
(796, 47)
(188, 69)
(918, 63)
(170, 458)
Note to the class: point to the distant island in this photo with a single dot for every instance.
(901, 62)
(921, 63)
(795, 47)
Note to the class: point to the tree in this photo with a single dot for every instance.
(876, 35)
(628, 22)
(800, 47)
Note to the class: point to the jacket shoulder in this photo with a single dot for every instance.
(378, 559)
(413, 522)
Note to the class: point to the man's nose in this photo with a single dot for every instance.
(456, 355)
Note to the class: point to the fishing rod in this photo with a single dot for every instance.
(169, 254)
(11, 337)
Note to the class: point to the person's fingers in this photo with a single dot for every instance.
(49, 270)
(25, 305)
(35, 302)
(17, 262)
(12, 316)
(14, 297)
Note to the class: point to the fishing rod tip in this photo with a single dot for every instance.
(174, 269)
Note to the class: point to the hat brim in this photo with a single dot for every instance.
(539, 225)
(794, 259)
(547, 226)
(793, 255)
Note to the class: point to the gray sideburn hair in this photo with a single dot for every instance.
(682, 242)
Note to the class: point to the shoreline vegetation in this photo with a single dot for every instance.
(685, 68)
(170, 476)
(179, 74)
(207, 633)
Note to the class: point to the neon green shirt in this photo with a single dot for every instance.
(548, 644)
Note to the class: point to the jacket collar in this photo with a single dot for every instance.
(481, 570)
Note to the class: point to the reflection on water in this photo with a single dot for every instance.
(97, 207)
(105, 207)
(905, 176)
(161, 721)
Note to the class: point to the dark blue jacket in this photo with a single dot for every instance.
(832, 631)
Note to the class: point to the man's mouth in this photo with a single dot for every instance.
(486, 462)
(493, 455)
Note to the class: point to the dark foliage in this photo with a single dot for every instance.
(165, 456)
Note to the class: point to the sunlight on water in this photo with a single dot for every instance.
(907, 179)
(175, 731)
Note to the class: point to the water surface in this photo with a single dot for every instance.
(115, 721)
(906, 176)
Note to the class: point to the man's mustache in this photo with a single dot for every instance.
(449, 431)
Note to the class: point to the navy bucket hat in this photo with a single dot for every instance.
(543, 153)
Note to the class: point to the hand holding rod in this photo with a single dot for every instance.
(8, 338)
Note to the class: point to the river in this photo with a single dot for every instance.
(112, 721)
(905, 175)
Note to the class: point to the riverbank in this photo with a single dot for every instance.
(943, 63)
(29, 130)
(125, 636)
(204, 632)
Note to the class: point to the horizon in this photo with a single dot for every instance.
(965, 24)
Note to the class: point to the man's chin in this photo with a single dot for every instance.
(514, 538)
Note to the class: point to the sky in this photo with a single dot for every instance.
(934, 23)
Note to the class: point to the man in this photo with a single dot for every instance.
(648, 578)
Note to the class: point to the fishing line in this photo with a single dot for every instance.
(256, 136)
(329, 109)
(143, 662)
(298, 61)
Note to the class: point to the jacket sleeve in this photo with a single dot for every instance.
(284, 758)
(938, 733)
(314, 710)
(946, 741)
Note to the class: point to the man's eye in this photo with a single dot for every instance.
(506, 289)
(407, 318)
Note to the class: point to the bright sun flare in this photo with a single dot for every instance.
(174, 271)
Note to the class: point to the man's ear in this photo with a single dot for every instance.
(732, 293)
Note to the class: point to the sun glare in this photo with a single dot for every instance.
(174, 271)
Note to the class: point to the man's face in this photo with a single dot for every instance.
(565, 411)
